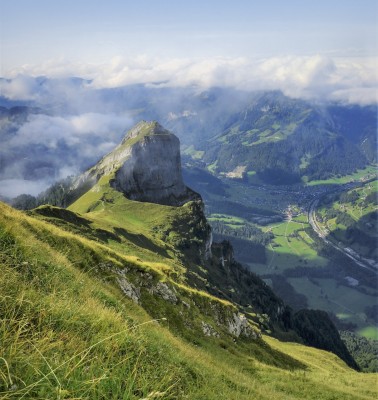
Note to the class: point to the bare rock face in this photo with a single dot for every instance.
(145, 166)
(152, 172)
(239, 326)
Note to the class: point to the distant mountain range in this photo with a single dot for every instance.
(64, 125)
(285, 140)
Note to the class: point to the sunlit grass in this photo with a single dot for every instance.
(370, 332)
(370, 171)
(67, 332)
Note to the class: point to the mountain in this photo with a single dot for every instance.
(139, 170)
(284, 140)
(143, 172)
(276, 138)
(350, 218)
(121, 296)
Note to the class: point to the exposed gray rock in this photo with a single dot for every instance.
(239, 326)
(208, 330)
(165, 292)
(208, 244)
(129, 289)
(146, 166)
(152, 171)
(187, 305)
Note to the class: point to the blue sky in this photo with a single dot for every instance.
(36, 31)
(313, 49)
(324, 49)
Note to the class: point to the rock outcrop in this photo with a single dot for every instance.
(146, 166)
(153, 171)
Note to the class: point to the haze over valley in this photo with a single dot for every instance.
(188, 200)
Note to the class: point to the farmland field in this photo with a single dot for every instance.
(269, 228)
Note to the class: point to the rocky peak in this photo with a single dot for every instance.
(145, 128)
(153, 171)
(146, 166)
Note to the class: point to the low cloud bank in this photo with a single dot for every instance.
(348, 80)
(14, 187)
(99, 132)
(75, 121)
(47, 148)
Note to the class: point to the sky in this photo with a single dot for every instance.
(323, 50)
(40, 32)
(312, 49)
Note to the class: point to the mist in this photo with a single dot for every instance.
(38, 149)
(350, 80)
(72, 115)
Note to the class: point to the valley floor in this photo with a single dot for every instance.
(306, 267)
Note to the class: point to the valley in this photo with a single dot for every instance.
(323, 231)
(290, 251)
(188, 200)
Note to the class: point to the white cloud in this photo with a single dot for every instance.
(350, 81)
(98, 124)
(50, 130)
(360, 95)
(43, 129)
(19, 88)
(46, 148)
(319, 77)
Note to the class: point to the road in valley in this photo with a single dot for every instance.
(358, 259)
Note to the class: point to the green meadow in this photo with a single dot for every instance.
(366, 173)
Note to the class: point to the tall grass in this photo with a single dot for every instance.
(60, 341)
(65, 334)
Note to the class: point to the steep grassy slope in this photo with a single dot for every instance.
(67, 330)
(184, 236)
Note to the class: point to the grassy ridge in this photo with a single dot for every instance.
(67, 332)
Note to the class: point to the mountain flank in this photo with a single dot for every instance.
(72, 327)
(146, 167)
(91, 276)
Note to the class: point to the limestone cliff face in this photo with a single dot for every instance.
(152, 172)
(145, 166)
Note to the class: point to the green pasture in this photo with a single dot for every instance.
(368, 172)
(370, 332)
